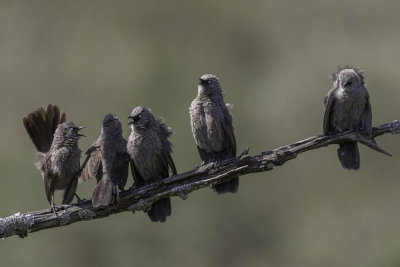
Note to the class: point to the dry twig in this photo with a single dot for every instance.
(182, 184)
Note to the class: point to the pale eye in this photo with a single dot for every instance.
(137, 117)
(209, 81)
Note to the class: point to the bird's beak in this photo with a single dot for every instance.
(131, 122)
(80, 128)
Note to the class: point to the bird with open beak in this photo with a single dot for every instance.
(58, 151)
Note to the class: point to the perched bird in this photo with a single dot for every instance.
(108, 161)
(347, 107)
(59, 155)
(212, 127)
(150, 153)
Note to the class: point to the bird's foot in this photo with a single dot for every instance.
(212, 165)
(203, 163)
(206, 167)
(54, 209)
(78, 199)
(245, 153)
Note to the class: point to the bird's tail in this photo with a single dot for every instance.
(227, 187)
(105, 193)
(349, 156)
(41, 125)
(160, 210)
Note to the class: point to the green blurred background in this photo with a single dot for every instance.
(273, 59)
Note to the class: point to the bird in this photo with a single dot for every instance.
(150, 152)
(59, 155)
(347, 107)
(107, 160)
(212, 128)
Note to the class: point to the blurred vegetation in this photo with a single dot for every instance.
(274, 59)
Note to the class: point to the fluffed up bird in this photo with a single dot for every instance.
(108, 161)
(59, 155)
(212, 127)
(347, 107)
(150, 153)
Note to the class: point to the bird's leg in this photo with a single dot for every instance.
(78, 199)
(53, 206)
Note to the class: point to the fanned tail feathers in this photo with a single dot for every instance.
(41, 125)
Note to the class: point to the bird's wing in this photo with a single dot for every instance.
(48, 179)
(366, 122)
(204, 155)
(328, 101)
(230, 140)
(120, 166)
(166, 158)
(169, 162)
(120, 169)
(92, 166)
(69, 191)
(137, 178)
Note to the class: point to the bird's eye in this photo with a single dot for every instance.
(139, 116)
(348, 84)
(209, 81)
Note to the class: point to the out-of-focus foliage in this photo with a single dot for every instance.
(274, 59)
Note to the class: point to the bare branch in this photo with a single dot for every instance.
(181, 185)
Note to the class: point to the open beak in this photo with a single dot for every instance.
(80, 128)
(131, 122)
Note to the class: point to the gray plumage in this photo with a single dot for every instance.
(58, 151)
(108, 161)
(212, 127)
(347, 107)
(150, 153)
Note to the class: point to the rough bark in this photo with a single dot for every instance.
(137, 199)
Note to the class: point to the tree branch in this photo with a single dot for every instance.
(137, 199)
